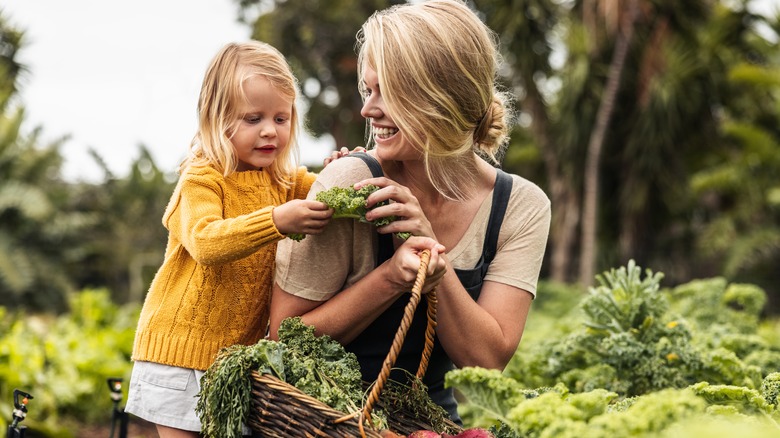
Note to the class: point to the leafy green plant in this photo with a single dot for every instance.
(555, 412)
(348, 203)
(65, 361)
(317, 365)
(634, 359)
(632, 337)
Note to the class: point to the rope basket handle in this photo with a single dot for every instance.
(400, 335)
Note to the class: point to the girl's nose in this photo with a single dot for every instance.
(267, 129)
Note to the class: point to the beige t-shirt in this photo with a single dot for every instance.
(320, 266)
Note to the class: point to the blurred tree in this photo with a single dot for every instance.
(37, 235)
(624, 37)
(530, 32)
(11, 40)
(645, 192)
(318, 39)
(679, 105)
(667, 118)
(126, 247)
(737, 189)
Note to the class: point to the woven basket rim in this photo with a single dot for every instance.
(319, 419)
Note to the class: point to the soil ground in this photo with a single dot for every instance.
(136, 428)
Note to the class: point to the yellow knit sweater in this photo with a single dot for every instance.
(213, 289)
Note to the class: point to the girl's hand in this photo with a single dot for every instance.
(301, 216)
(403, 205)
(343, 152)
(403, 266)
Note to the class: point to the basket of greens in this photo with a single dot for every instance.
(309, 386)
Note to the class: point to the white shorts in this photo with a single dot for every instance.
(164, 395)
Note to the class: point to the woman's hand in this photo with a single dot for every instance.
(402, 204)
(405, 263)
(338, 153)
(301, 216)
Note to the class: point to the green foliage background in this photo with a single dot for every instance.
(688, 186)
(64, 362)
(633, 358)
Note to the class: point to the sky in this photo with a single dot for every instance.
(112, 75)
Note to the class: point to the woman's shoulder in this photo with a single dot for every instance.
(526, 191)
(344, 172)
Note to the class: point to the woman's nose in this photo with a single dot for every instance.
(371, 109)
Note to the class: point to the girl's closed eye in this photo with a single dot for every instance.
(252, 118)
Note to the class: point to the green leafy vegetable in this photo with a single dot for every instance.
(489, 389)
(349, 203)
(320, 366)
(412, 400)
(226, 389)
(317, 365)
(686, 361)
(770, 389)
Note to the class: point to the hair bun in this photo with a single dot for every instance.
(492, 131)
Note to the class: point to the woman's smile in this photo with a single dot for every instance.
(384, 133)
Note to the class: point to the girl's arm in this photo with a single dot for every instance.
(301, 216)
(195, 217)
(303, 182)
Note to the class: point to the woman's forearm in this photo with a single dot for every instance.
(484, 333)
(344, 316)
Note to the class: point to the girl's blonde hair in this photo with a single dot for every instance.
(437, 64)
(222, 97)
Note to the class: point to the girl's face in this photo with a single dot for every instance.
(389, 140)
(264, 130)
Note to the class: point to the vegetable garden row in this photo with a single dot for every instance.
(630, 358)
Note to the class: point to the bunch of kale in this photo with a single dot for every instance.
(348, 203)
(317, 365)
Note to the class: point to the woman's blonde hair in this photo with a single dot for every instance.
(437, 64)
(222, 97)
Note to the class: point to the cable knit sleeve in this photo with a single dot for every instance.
(196, 218)
(303, 182)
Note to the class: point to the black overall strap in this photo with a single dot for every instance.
(501, 193)
(371, 162)
(384, 241)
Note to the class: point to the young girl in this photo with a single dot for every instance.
(239, 193)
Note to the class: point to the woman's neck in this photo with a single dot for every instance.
(412, 174)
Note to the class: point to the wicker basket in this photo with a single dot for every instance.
(281, 410)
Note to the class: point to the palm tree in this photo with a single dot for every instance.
(529, 31)
(37, 236)
(126, 246)
(737, 225)
(596, 143)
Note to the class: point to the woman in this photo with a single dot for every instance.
(427, 72)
